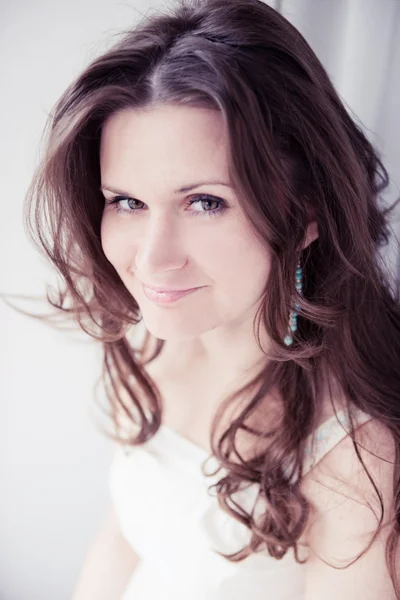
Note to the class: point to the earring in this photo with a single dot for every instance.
(293, 313)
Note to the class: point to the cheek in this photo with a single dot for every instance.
(113, 243)
(238, 262)
(106, 238)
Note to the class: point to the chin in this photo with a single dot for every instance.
(177, 327)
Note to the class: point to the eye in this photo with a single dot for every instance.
(130, 207)
(221, 204)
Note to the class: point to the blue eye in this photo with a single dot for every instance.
(206, 198)
(117, 201)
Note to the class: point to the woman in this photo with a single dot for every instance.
(208, 152)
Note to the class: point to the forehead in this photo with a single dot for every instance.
(169, 143)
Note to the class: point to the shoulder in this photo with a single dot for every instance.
(345, 513)
(375, 445)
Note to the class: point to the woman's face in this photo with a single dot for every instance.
(160, 239)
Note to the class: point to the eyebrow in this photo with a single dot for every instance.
(181, 190)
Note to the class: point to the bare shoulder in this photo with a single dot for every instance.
(345, 514)
(376, 446)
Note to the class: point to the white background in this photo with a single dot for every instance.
(54, 461)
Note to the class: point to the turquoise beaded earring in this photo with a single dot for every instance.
(293, 313)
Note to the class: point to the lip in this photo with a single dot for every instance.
(166, 290)
(165, 297)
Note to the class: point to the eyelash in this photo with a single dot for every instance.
(116, 200)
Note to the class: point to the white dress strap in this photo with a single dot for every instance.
(328, 434)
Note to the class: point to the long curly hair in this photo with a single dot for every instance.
(289, 134)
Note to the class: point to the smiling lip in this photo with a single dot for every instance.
(166, 290)
(165, 297)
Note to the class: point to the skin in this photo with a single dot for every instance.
(148, 154)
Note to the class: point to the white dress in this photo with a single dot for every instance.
(166, 513)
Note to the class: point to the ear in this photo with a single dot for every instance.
(312, 234)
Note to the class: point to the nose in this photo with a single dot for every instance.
(159, 248)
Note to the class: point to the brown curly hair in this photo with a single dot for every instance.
(289, 133)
